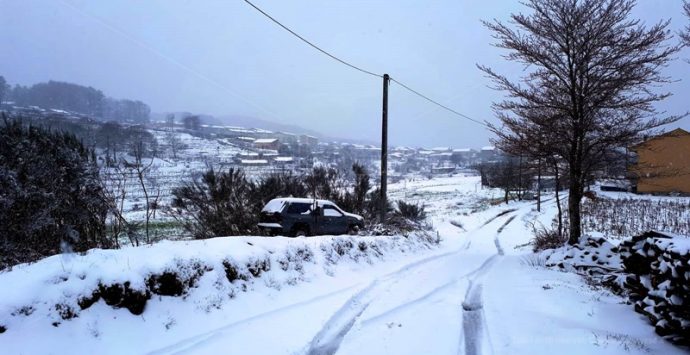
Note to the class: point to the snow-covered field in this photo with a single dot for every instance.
(478, 292)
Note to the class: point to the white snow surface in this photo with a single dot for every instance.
(478, 292)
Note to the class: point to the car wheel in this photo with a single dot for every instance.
(353, 230)
(299, 233)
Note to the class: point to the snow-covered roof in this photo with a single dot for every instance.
(462, 150)
(254, 161)
(265, 140)
(302, 200)
(284, 159)
(488, 148)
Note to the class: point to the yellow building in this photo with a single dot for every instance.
(663, 164)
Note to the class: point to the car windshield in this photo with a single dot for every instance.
(274, 206)
(299, 208)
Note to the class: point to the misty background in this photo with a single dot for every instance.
(223, 58)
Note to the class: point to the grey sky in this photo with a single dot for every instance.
(222, 57)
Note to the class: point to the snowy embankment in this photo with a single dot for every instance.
(59, 289)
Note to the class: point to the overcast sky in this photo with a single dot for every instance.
(222, 57)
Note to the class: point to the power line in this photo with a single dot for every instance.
(312, 44)
(438, 104)
(360, 69)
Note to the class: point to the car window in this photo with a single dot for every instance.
(330, 211)
(299, 208)
(274, 206)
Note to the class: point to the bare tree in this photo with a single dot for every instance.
(685, 34)
(149, 186)
(589, 82)
(115, 178)
(507, 175)
(171, 136)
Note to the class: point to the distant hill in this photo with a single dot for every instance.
(253, 122)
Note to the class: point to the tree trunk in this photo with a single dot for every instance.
(539, 185)
(519, 189)
(558, 201)
(574, 199)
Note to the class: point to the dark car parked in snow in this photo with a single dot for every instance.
(304, 216)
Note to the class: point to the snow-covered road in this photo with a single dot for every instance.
(436, 297)
(474, 296)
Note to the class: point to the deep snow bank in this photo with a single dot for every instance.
(58, 288)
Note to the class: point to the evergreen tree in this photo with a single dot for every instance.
(51, 197)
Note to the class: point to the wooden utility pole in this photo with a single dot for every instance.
(539, 185)
(384, 149)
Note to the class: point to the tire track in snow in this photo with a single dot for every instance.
(503, 213)
(194, 341)
(327, 341)
(473, 320)
(438, 289)
(329, 338)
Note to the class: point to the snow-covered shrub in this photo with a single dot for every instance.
(51, 197)
(547, 238)
(216, 204)
(412, 211)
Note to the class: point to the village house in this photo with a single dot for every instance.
(267, 143)
(663, 163)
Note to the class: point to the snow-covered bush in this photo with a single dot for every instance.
(219, 203)
(51, 197)
(547, 238)
(411, 211)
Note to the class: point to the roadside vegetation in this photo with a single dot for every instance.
(623, 218)
(51, 199)
(228, 203)
(59, 196)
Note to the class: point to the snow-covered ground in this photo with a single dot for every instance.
(478, 292)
